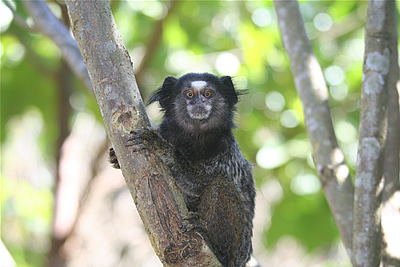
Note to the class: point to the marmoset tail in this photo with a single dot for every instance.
(196, 142)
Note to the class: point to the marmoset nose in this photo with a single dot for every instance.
(196, 101)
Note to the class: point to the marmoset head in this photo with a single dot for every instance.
(198, 101)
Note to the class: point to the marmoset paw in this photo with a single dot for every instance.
(146, 138)
(113, 159)
(192, 222)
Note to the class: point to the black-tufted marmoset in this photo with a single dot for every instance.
(196, 142)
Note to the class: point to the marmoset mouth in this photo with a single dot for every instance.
(198, 112)
(199, 115)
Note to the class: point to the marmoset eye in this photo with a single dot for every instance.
(189, 94)
(207, 94)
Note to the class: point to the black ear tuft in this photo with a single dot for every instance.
(227, 81)
(164, 93)
(169, 81)
(229, 91)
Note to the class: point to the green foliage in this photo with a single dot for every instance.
(26, 213)
(25, 84)
(304, 217)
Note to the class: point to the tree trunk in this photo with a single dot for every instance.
(158, 201)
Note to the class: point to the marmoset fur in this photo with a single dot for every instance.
(195, 140)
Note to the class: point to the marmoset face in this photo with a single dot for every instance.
(198, 97)
(197, 102)
(199, 105)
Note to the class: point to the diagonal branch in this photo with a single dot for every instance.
(372, 134)
(329, 159)
(158, 201)
(17, 17)
(49, 25)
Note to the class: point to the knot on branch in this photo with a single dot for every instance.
(326, 173)
(124, 119)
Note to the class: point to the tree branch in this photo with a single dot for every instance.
(17, 17)
(329, 159)
(391, 166)
(30, 54)
(49, 25)
(159, 203)
(391, 196)
(153, 42)
(372, 134)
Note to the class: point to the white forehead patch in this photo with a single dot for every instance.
(198, 85)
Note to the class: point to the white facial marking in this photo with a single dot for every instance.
(198, 85)
(199, 114)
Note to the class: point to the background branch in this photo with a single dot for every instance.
(17, 17)
(153, 42)
(157, 199)
(37, 62)
(391, 167)
(49, 25)
(372, 134)
(391, 193)
(329, 159)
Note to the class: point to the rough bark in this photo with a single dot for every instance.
(372, 134)
(329, 159)
(49, 25)
(159, 203)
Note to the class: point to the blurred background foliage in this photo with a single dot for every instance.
(238, 38)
